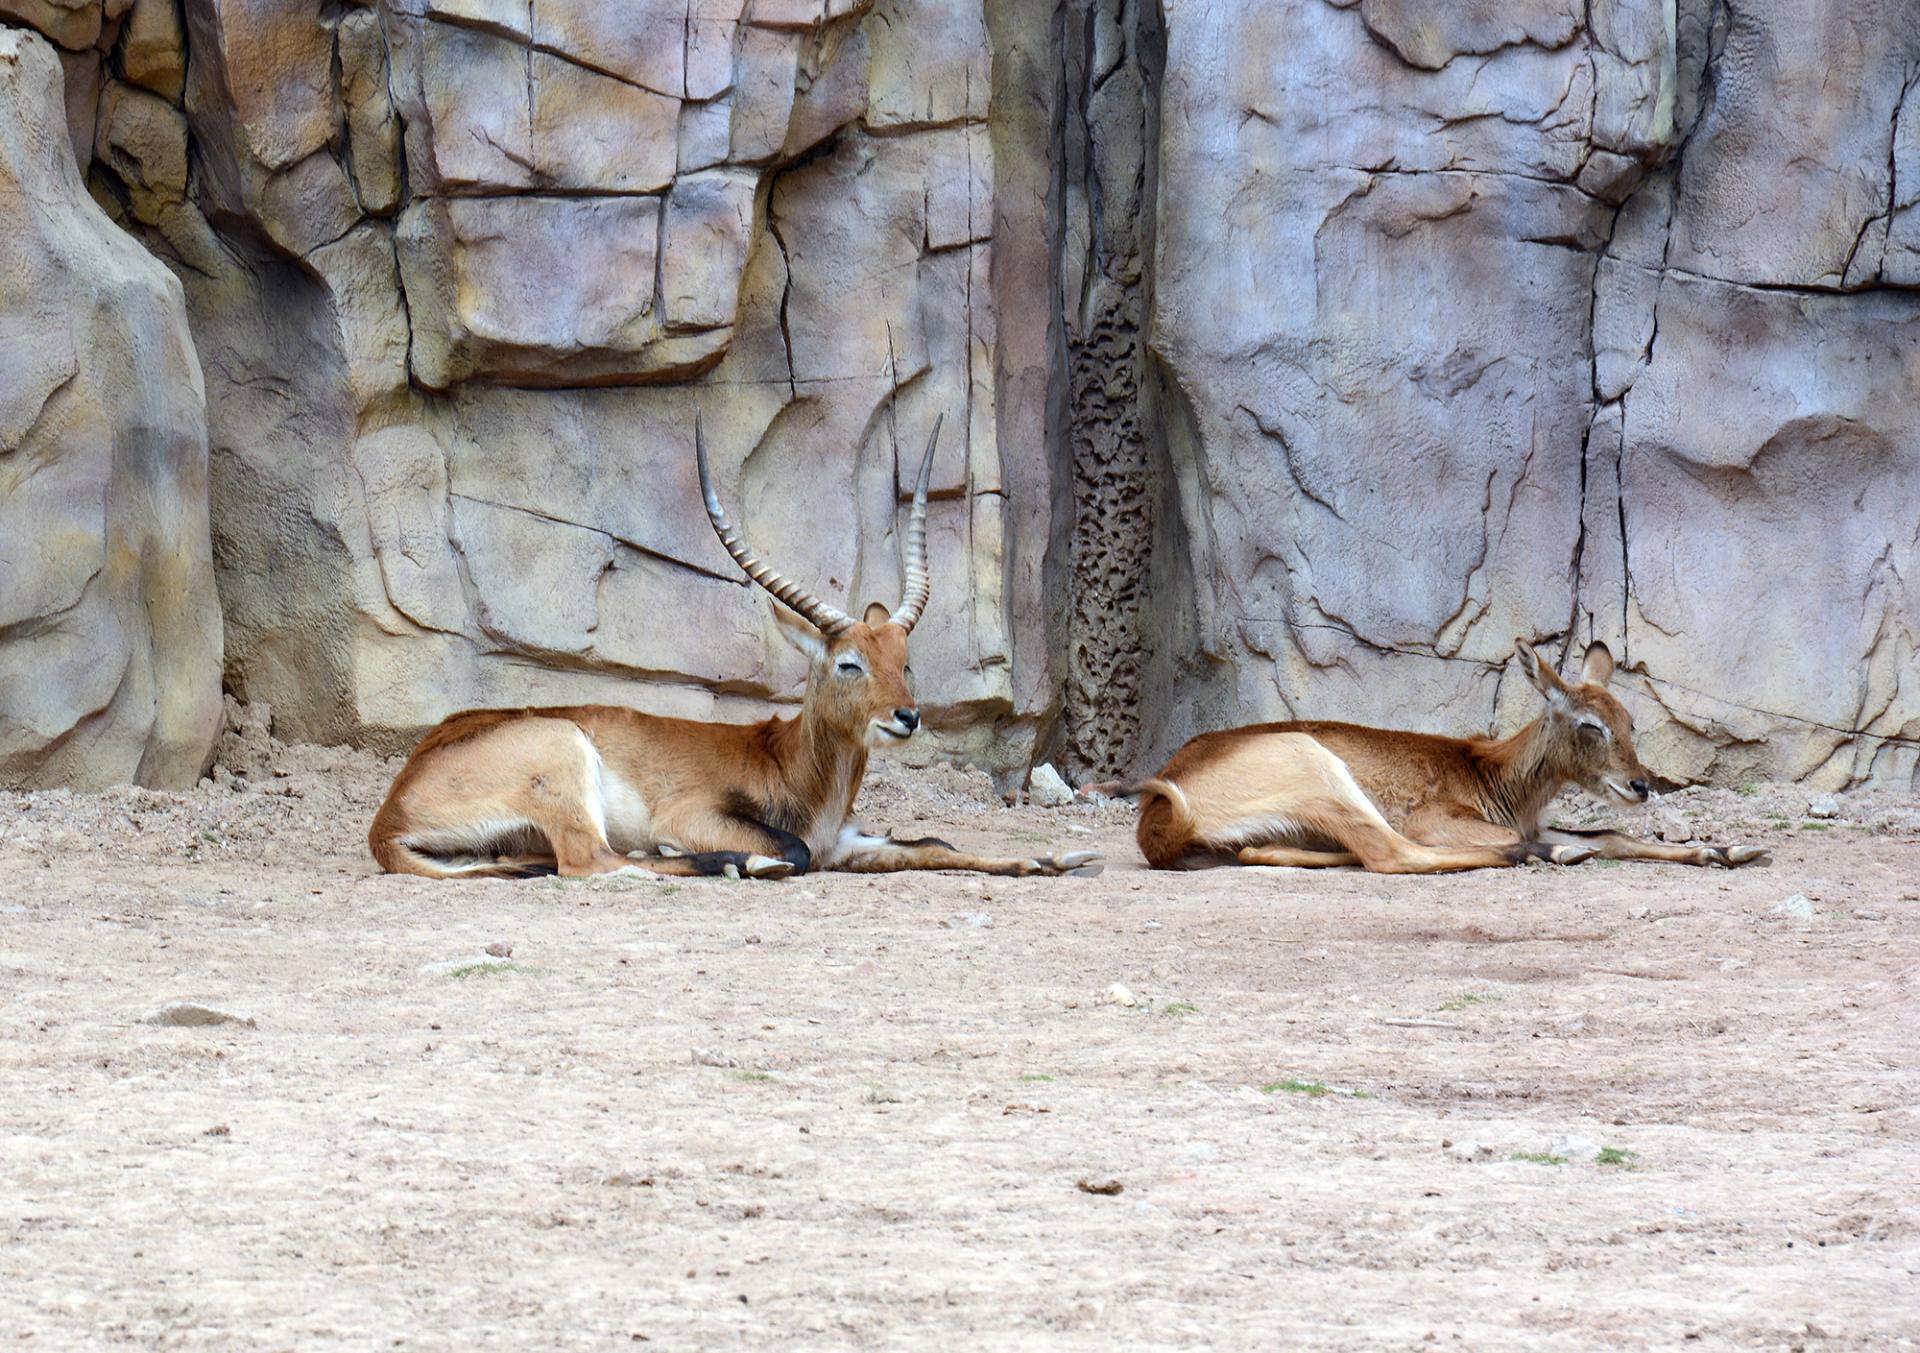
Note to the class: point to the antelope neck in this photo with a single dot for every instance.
(1520, 774)
(818, 764)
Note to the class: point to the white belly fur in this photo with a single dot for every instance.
(629, 823)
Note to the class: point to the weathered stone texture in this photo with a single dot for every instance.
(420, 233)
(110, 630)
(1429, 391)
(153, 48)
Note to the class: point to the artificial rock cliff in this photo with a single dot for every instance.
(1295, 357)
(109, 626)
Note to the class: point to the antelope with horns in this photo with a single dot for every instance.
(515, 792)
(1314, 795)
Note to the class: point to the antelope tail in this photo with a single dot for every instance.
(1166, 826)
(1182, 819)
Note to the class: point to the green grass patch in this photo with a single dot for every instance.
(1605, 864)
(1816, 826)
(1615, 1155)
(482, 969)
(1311, 1089)
(1538, 1158)
(1461, 1002)
(1035, 1078)
(752, 1076)
(1747, 791)
(1180, 1008)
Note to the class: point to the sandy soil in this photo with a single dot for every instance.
(866, 1112)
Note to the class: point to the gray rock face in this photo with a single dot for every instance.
(110, 631)
(1296, 356)
(1586, 336)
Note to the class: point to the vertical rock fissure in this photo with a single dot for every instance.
(1111, 102)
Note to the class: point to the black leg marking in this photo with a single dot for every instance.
(783, 845)
(718, 861)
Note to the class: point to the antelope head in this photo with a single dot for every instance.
(858, 680)
(1593, 733)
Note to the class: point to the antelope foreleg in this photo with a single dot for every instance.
(713, 864)
(863, 854)
(1612, 845)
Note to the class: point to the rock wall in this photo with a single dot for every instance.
(1296, 356)
(1553, 320)
(461, 272)
(110, 632)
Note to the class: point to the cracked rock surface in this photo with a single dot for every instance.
(1295, 357)
(1566, 322)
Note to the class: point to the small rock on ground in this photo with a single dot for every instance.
(1799, 907)
(195, 1014)
(969, 920)
(1118, 994)
(1823, 805)
(1045, 788)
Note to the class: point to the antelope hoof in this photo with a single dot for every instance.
(668, 851)
(1084, 864)
(1572, 854)
(766, 867)
(1732, 857)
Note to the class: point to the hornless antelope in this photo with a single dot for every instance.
(514, 792)
(1314, 795)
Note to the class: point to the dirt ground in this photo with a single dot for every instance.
(1608, 1106)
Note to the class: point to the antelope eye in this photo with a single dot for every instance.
(849, 669)
(1592, 730)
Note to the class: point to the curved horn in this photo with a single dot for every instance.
(917, 584)
(820, 615)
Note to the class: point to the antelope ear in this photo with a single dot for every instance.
(1597, 670)
(1543, 678)
(799, 631)
(875, 615)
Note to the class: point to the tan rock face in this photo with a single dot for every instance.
(153, 48)
(373, 130)
(73, 24)
(110, 630)
(1295, 357)
(583, 196)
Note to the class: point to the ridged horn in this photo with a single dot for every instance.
(821, 616)
(916, 583)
